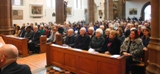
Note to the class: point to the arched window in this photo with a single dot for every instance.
(147, 12)
(50, 3)
(17, 2)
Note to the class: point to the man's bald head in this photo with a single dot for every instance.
(10, 51)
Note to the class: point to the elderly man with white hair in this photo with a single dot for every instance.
(70, 39)
(91, 32)
(97, 41)
(83, 40)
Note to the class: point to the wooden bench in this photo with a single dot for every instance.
(43, 41)
(59, 39)
(83, 62)
(22, 44)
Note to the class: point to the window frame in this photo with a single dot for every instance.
(21, 3)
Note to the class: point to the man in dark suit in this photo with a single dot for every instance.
(28, 33)
(8, 64)
(33, 43)
(22, 33)
(70, 38)
(83, 40)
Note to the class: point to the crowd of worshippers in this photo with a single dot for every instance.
(124, 37)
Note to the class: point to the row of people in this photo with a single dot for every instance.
(132, 47)
(128, 39)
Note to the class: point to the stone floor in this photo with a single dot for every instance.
(37, 63)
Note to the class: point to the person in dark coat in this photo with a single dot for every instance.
(8, 64)
(70, 39)
(127, 33)
(106, 36)
(29, 33)
(146, 38)
(91, 32)
(46, 32)
(112, 46)
(22, 33)
(83, 40)
(120, 35)
(97, 41)
(33, 43)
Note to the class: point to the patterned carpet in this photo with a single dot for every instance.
(37, 63)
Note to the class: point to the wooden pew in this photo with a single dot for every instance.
(9, 39)
(20, 43)
(43, 41)
(59, 39)
(141, 67)
(83, 62)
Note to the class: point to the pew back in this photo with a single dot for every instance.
(43, 41)
(83, 62)
(59, 40)
(20, 43)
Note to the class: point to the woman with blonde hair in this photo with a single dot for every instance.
(112, 46)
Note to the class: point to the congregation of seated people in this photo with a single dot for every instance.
(124, 37)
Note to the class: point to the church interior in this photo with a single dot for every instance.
(79, 37)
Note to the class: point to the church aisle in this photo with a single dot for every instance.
(37, 63)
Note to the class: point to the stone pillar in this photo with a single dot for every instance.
(5, 16)
(121, 9)
(109, 9)
(105, 10)
(91, 11)
(60, 12)
(154, 46)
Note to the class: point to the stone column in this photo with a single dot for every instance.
(154, 46)
(91, 11)
(105, 10)
(120, 9)
(60, 12)
(123, 9)
(5, 16)
(109, 9)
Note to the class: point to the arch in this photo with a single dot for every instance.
(143, 8)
